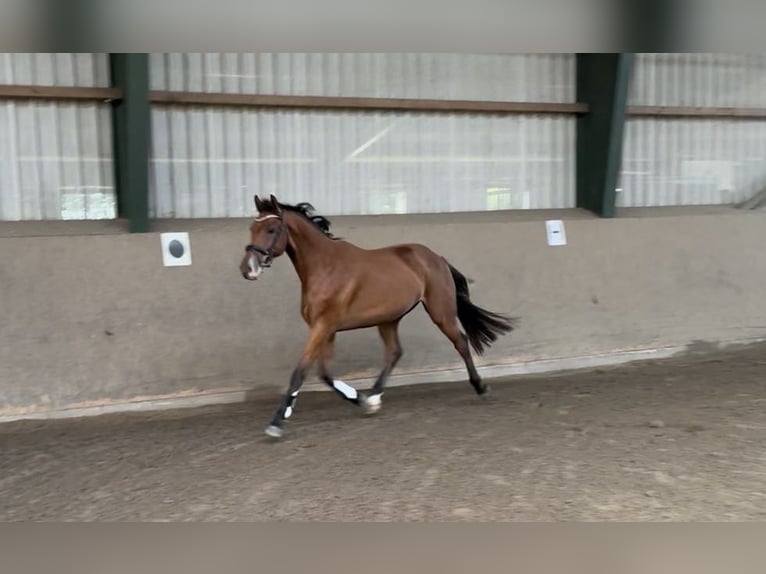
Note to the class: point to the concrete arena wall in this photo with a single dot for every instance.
(96, 320)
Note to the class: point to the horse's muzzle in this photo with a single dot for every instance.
(251, 268)
(252, 274)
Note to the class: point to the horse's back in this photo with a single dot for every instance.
(416, 256)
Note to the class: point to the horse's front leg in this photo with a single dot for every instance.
(318, 337)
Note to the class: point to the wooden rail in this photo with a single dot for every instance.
(168, 98)
(691, 112)
(59, 93)
(365, 104)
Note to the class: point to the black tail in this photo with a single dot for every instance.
(481, 326)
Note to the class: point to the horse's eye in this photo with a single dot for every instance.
(271, 231)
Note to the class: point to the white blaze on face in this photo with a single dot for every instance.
(253, 268)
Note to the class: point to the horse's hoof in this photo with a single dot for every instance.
(371, 405)
(484, 390)
(274, 431)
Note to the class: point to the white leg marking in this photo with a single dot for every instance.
(346, 390)
(374, 402)
(289, 409)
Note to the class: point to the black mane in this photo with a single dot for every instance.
(306, 210)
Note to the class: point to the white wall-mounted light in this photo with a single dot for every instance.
(176, 249)
(556, 233)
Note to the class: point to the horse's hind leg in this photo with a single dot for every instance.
(441, 307)
(392, 352)
(346, 391)
(451, 329)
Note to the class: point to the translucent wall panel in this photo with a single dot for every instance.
(694, 161)
(55, 157)
(711, 80)
(511, 77)
(83, 70)
(55, 161)
(210, 162)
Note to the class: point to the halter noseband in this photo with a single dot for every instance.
(268, 252)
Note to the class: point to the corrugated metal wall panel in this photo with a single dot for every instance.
(55, 157)
(511, 77)
(210, 163)
(694, 161)
(82, 70)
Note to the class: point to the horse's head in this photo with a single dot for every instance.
(268, 238)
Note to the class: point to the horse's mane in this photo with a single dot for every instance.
(306, 210)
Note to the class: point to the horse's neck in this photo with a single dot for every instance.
(308, 248)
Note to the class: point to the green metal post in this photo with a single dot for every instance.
(131, 126)
(602, 82)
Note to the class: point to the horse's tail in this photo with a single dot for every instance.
(482, 327)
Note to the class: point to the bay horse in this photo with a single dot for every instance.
(345, 287)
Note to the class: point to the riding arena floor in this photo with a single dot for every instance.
(682, 439)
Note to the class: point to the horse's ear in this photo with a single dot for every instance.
(275, 205)
(258, 202)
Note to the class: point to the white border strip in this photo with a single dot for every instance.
(427, 377)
